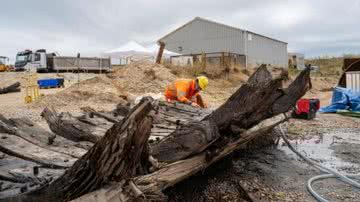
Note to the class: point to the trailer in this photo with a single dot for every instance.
(41, 61)
(64, 63)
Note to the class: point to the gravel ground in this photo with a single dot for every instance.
(276, 174)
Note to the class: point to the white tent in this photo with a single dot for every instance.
(129, 52)
(154, 48)
(133, 51)
(129, 49)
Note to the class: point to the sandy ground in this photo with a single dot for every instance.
(322, 89)
(13, 104)
(273, 173)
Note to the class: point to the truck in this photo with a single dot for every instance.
(41, 61)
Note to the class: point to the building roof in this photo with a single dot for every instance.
(217, 23)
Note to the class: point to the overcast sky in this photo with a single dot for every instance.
(314, 27)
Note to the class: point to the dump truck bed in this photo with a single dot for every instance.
(61, 63)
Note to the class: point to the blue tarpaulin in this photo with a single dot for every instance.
(343, 99)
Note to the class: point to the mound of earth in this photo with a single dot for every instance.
(122, 85)
(127, 83)
(139, 78)
(95, 91)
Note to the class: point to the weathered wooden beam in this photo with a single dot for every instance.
(153, 184)
(17, 147)
(34, 134)
(93, 112)
(160, 53)
(11, 88)
(70, 128)
(10, 178)
(188, 139)
(116, 157)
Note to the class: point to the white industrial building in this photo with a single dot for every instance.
(216, 40)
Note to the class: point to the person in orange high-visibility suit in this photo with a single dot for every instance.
(187, 91)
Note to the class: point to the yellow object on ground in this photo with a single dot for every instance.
(31, 88)
(3, 68)
(3, 64)
(28, 99)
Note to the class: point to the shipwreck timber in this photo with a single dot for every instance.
(120, 164)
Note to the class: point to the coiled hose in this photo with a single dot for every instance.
(330, 172)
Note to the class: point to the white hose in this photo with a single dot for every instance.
(330, 173)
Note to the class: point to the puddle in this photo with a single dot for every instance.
(320, 148)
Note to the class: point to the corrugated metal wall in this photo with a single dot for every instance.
(201, 36)
(353, 80)
(262, 50)
(209, 37)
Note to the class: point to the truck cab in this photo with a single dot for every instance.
(31, 61)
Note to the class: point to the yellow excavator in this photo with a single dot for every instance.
(3, 64)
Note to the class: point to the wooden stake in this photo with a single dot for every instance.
(160, 53)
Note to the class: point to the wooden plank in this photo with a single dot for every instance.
(71, 128)
(106, 116)
(34, 134)
(6, 176)
(107, 160)
(13, 145)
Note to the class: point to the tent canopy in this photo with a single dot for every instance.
(133, 51)
(133, 48)
(154, 48)
(129, 49)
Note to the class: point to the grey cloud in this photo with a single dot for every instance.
(91, 27)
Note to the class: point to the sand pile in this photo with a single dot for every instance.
(95, 91)
(127, 83)
(140, 78)
(120, 86)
